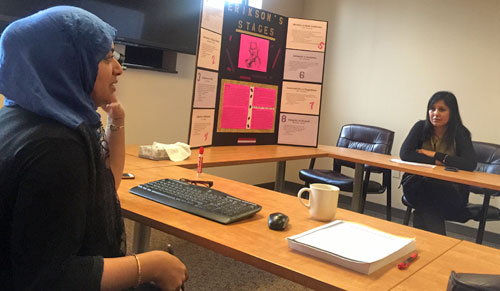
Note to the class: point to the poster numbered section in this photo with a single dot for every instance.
(300, 98)
(202, 124)
(297, 129)
(306, 34)
(205, 89)
(212, 15)
(209, 50)
(304, 66)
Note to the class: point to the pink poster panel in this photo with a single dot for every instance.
(253, 54)
(263, 119)
(264, 97)
(235, 106)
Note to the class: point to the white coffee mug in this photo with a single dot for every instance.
(323, 201)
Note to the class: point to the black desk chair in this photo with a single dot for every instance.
(488, 160)
(362, 137)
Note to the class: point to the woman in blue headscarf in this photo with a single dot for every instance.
(60, 220)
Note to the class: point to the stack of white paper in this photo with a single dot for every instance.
(352, 245)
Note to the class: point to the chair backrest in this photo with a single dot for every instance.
(366, 138)
(488, 160)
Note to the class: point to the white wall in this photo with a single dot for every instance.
(385, 59)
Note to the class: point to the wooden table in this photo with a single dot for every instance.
(252, 242)
(361, 158)
(220, 156)
(217, 156)
(240, 155)
(466, 257)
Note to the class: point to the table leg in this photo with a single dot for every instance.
(141, 238)
(279, 183)
(357, 191)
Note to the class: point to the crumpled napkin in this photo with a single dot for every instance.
(160, 151)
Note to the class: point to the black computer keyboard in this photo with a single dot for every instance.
(202, 201)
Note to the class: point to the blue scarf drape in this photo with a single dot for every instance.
(49, 63)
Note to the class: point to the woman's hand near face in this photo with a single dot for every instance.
(116, 113)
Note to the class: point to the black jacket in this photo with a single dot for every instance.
(465, 158)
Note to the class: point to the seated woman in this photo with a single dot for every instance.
(60, 219)
(440, 139)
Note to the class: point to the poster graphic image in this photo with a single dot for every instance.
(247, 107)
(253, 53)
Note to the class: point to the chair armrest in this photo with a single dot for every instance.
(464, 281)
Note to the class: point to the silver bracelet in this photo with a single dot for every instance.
(444, 159)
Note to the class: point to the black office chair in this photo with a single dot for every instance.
(362, 137)
(488, 160)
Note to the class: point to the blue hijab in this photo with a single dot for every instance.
(49, 63)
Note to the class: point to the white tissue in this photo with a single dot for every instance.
(159, 151)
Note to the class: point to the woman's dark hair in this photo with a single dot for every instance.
(454, 122)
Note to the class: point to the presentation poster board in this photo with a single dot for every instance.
(259, 77)
(250, 76)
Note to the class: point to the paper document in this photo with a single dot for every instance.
(413, 163)
(352, 245)
(353, 241)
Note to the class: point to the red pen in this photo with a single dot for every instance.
(408, 261)
(200, 162)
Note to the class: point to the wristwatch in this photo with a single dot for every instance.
(113, 127)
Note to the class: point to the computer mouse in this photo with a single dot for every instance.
(277, 221)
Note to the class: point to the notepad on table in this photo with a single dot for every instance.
(352, 245)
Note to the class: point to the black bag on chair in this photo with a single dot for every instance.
(473, 282)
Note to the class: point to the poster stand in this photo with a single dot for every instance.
(258, 78)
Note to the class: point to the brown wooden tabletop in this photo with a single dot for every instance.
(217, 156)
(466, 257)
(252, 242)
(479, 179)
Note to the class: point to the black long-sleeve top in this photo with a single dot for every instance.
(465, 158)
(47, 233)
